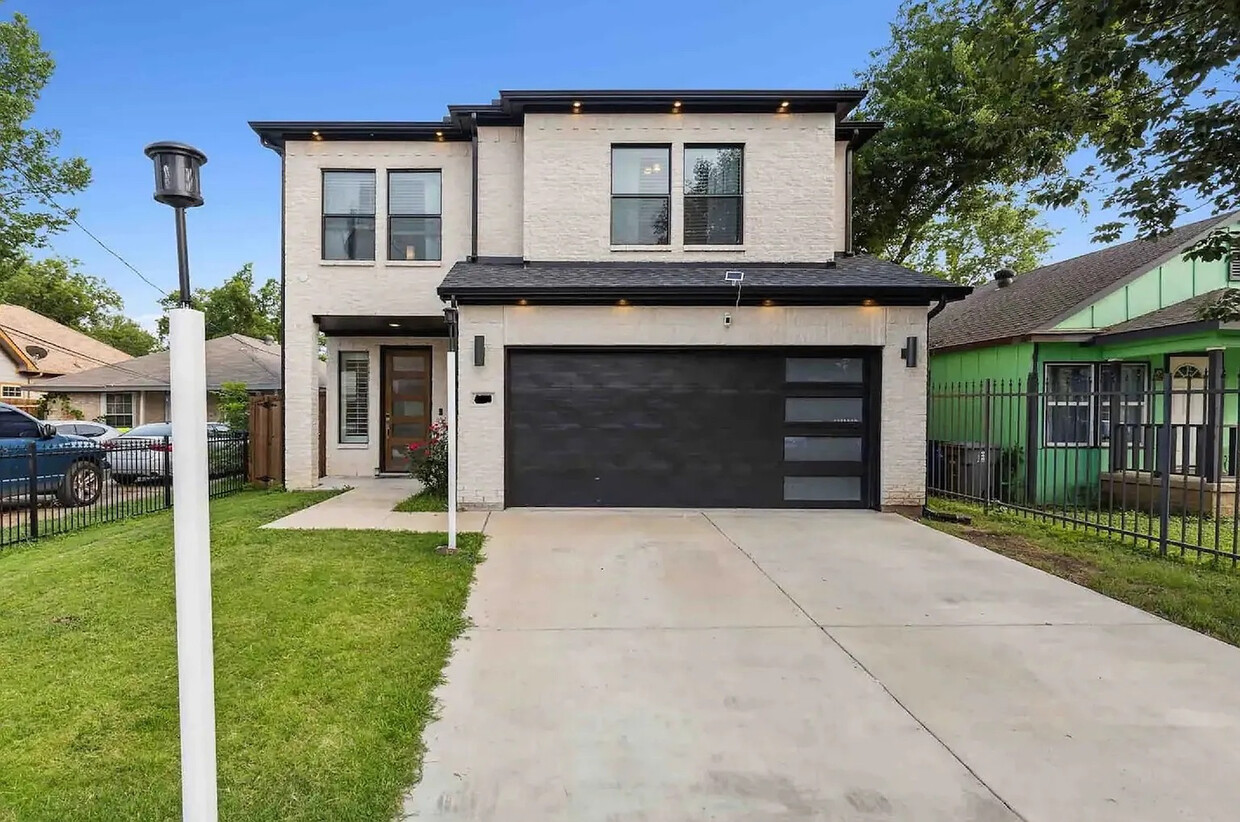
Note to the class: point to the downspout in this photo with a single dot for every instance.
(473, 199)
(848, 195)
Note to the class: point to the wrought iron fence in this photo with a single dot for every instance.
(1153, 462)
(55, 486)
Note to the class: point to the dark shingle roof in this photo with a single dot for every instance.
(1035, 301)
(233, 358)
(1179, 313)
(859, 276)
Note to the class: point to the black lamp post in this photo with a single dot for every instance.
(178, 183)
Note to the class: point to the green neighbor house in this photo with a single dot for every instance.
(1063, 371)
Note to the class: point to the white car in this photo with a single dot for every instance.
(96, 431)
(145, 452)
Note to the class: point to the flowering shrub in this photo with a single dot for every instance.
(430, 459)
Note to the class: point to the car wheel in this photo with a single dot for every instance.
(82, 484)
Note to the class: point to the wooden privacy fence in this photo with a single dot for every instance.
(266, 440)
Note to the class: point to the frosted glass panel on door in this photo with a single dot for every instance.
(822, 449)
(822, 409)
(408, 408)
(822, 489)
(823, 369)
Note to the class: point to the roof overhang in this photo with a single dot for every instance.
(510, 108)
(1173, 330)
(395, 325)
(857, 132)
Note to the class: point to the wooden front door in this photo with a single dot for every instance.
(406, 375)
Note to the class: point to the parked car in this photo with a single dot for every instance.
(145, 452)
(68, 466)
(96, 431)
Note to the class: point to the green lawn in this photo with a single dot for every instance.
(1198, 595)
(422, 501)
(327, 647)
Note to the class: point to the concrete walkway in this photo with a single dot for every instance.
(368, 506)
(814, 666)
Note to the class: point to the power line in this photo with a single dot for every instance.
(52, 202)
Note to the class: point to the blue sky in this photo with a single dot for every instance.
(129, 73)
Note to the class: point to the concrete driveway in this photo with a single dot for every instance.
(814, 666)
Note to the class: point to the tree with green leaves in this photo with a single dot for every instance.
(123, 333)
(235, 306)
(1176, 65)
(981, 233)
(30, 173)
(55, 288)
(972, 141)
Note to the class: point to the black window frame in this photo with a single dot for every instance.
(438, 217)
(667, 198)
(740, 198)
(1095, 400)
(374, 217)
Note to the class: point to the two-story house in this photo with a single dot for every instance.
(654, 294)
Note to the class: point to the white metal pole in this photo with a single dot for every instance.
(192, 540)
(451, 446)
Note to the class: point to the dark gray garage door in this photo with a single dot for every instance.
(745, 428)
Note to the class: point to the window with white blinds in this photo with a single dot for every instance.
(1233, 263)
(348, 215)
(714, 198)
(415, 221)
(354, 396)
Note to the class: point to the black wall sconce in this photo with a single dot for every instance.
(909, 352)
(480, 350)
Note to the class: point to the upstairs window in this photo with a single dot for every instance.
(1233, 262)
(714, 199)
(641, 188)
(348, 215)
(415, 222)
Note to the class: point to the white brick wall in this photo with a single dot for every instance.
(379, 287)
(789, 183)
(500, 200)
(361, 459)
(481, 444)
(372, 287)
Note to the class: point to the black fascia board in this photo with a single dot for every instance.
(275, 133)
(835, 101)
(783, 295)
(857, 132)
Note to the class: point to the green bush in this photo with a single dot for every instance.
(430, 459)
(233, 405)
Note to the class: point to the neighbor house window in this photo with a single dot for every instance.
(414, 215)
(10, 391)
(714, 201)
(1079, 398)
(118, 410)
(641, 188)
(1233, 263)
(348, 215)
(354, 396)
(1123, 385)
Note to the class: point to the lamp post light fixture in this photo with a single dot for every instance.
(178, 184)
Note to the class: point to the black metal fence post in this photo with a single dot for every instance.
(1165, 447)
(1032, 431)
(987, 452)
(167, 471)
(33, 530)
